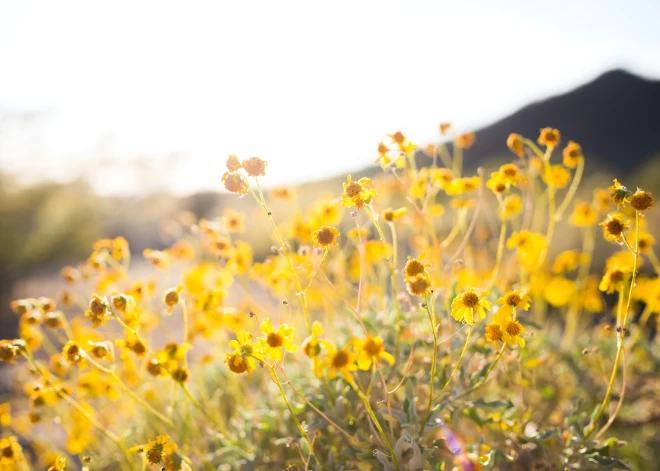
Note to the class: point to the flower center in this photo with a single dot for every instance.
(274, 340)
(340, 359)
(353, 189)
(372, 347)
(325, 237)
(614, 227)
(513, 328)
(493, 332)
(470, 299)
(513, 299)
(414, 267)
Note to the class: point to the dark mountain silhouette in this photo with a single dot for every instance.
(615, 118)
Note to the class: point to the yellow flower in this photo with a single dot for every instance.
(497, 183)
(601, 200)
(572, 154)
(172, 297)
(619, 193)
(459, 186)
(511, 329)
(466, 140)
(464, 306)
(391, 215)
(614, 227)
(584, 215)
(159, 449)
(402, 142)
(370, 349)
(10, 450)
(568, 261)
(493, 332)
(59, 465)
(242, 359)
(646, 241)
(235, 183)
(641, 200)
(325, 237)
(558, 291)
(440, 177)
(556, 176)
(275, 340)
(444, 127)
(549, 137)
(356, 193)
(340, 361)
(418, 285)
(614, 279)
(528, 244)
(510, 174)
(254, 166)
(415, 266)
(511, 207)
(513, 300)
(232, 163)
(515, 143)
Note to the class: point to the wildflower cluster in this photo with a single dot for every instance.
(427, 330)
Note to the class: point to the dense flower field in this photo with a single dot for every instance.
(420, 320)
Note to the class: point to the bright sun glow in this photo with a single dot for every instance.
(144, 95)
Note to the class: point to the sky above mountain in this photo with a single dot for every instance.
(143, 95)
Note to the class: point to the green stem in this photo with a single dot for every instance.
(621, 332)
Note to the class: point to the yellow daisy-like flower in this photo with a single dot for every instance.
(614, 227)
(340, 361)
(614, 278)
(464, 306)
(511, 207)
(275, 340)
(369, 350)
(10, 450)
(572, 154)
(312, 347)
(511, 174)
(497, 183)
(511, 329)
(556, 176)
(515, 143)
(243, 358)
(568, 261)
(465, 141)
(493, 332)
(513, 300)
(549, 137)
(156, 451)
(619, 193)
(356, 193)
(325, 237)
(391, 215)
(584, 215)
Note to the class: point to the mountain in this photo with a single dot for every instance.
(615, 118)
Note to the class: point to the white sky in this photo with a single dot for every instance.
(173, 87)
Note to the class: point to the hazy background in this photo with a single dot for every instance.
(142, 96)
(117, 115)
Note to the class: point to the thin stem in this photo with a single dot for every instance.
(392, 262)
(374, 419)
(551, 210)
(621, 332)
(325, 254)
(458, 363)
(571, 191)
(498, 258)
(262, 202)
(430, 310)
(104, 430)
(293, 415)
(482, 381)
